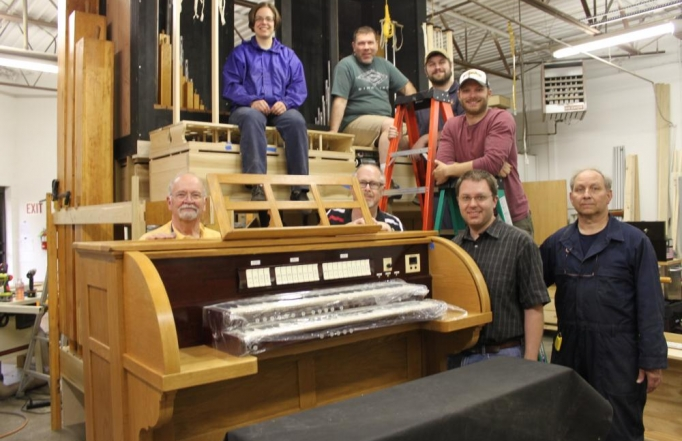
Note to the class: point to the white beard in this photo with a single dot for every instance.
(188, 213)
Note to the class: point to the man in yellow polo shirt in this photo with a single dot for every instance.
(186, 202)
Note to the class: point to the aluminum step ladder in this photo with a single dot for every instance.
(27, 373)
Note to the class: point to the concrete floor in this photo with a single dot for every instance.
(20, 424)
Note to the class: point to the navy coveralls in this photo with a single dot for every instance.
(609, 306)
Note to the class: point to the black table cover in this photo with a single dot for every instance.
(501, 399)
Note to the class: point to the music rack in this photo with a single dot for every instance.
(225, 207)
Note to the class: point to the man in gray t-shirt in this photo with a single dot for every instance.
(362, 87)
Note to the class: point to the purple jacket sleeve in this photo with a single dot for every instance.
(296, 91)
(234, 75)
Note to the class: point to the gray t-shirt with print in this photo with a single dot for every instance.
(366, 87)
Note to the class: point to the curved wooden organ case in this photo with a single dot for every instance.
(151, 372)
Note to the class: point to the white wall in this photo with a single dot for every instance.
(621, 110)
(28, 148)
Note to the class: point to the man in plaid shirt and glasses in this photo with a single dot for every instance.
(511, 266)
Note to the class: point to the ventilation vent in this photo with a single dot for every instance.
(563, 94)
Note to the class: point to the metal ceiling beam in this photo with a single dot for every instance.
(492, 30)
(480, 43)
(556, 40)
(628, 15)
(586, 9)
(454, 42)
(623, 15)
(442, 11)
(41, 56)
(561, 16)
(518, 23)
(501, 52)
(23, 86)
(483, 68)
(20, 19)
(24, 22)
(629, 48)
(604, 16)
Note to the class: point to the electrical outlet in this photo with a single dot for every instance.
(388, 264)
(412, 263)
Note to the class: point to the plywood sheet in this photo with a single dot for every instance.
(631, 207)
(548, 206)
(662, 112)
(81, 25)
(93, 86)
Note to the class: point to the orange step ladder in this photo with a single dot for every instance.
(439, 103)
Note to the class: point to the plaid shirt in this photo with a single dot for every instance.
(512, 268)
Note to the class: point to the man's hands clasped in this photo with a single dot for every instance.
(262, 106)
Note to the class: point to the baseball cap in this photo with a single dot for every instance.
(435, 52)
(474, 74)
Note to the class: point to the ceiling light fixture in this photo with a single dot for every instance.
(27, 60)
(627, 37)
(40, 66)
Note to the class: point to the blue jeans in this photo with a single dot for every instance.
(455, 361)
(253, 144)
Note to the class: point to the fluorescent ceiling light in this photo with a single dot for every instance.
(628, 37)
(28, 60)
(41, 66)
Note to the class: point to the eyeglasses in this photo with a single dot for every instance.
(181, 195)
(584, 276)
(265, 19)
(478, 198)
(373, 185)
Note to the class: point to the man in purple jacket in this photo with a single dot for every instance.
(265, 84)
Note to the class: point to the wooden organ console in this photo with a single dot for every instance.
(151, 372)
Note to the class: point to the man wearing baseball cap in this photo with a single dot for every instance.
(438, 69)
(483, 139)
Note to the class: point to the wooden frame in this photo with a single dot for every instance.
(225, 208)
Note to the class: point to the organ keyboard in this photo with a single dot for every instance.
(238, 313)
(316, 317)
(152, 374)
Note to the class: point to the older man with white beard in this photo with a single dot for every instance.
(186, 201)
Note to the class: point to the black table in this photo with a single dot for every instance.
(501, 399)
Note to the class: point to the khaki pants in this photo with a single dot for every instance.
(367, 129)
(525, 224)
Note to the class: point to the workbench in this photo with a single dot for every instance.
(13, 340)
